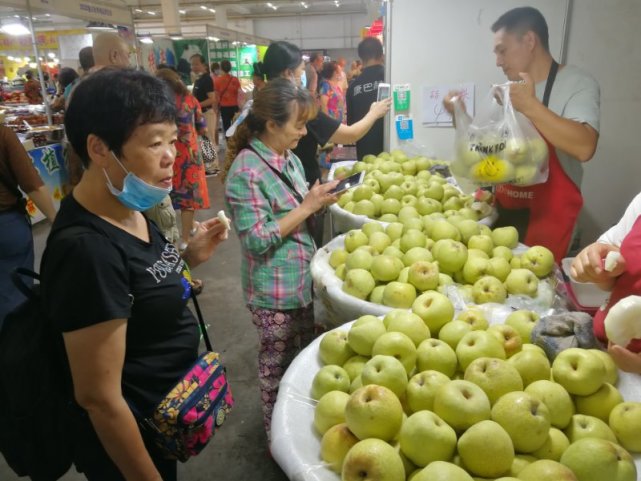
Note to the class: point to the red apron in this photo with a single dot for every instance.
(627, 284)
(544, 214)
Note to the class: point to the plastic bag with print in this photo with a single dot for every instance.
(499, 145)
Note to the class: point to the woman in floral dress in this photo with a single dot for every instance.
(189, 184)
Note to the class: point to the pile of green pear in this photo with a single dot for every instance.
(406, 398)
(393, 181)
(397, 265)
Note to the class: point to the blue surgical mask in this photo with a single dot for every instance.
(136, 194)
(303, 80)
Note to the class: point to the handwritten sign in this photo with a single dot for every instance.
(433, 113)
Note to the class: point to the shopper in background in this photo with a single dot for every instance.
(312, 71)
(227, 88)
(73, 164)
(362, 92)
(623, 281)
(110, 49)
(204, 92)
(32, 89)
(66, 77)
(332, 96)
(354, 71)
(283, 59)
(16, 240)
(215, 70)
(120, 298)
(85, 59)
(271, 206)
(258, 79)
(343, 75)
(189, 182)
(562, 102)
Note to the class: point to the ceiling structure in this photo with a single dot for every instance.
(205, 11)
(148, 14)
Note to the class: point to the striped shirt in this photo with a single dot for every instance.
(275, 271)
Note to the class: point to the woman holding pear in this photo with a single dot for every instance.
(613, 262)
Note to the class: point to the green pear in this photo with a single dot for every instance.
(486, 449)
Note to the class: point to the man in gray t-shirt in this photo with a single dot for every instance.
(567, 118)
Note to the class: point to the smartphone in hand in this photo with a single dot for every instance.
(384, 91)
(348, 183)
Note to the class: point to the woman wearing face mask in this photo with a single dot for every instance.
(283, 59)
(271, 206)
(111, 283)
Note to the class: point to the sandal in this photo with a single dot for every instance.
(197, 286)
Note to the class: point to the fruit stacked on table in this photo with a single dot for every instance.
(394, 181)
(398, 400)
(392, 265)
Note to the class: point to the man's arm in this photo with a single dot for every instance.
(577, 139)
(349, 134)
(211, 101)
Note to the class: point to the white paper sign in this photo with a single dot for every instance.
(433, 113)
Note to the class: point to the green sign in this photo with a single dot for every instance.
(247, 57)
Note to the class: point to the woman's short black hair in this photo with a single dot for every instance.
(279, 57)
(111, 104)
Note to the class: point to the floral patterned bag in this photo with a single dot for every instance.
(188, 416)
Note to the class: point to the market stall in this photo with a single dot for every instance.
(36, 41)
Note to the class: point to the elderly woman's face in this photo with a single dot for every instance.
(149, 153)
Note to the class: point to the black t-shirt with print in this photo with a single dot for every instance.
(319, 131)
(203, 86)
(361, 93)
(103, 273)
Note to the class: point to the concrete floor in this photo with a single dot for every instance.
(239, 449)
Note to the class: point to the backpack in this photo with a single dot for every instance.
(36, 396)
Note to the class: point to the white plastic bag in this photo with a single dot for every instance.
(498, 146)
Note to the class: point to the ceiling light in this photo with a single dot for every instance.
(147, 40)
(204, 7)
(17, 16)
(10, 58)
(51, 55)
(33, 64)
(175, 36)
(182, 12)
(213, 39)
(14, 27)
(151, 13)
(212, 10)
(47, 15)
(137, 10)
(27, 59)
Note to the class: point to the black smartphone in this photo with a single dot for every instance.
(348, 183)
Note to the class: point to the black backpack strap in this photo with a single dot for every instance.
(17, 278)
